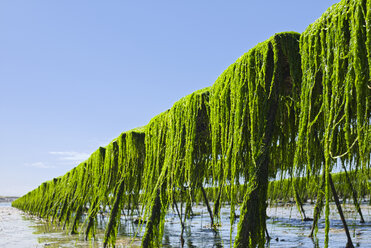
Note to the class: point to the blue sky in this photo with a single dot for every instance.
(75, 74)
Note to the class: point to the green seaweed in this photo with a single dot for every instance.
(282, 116)
(335, 116)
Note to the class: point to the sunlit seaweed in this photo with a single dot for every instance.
(290, 109)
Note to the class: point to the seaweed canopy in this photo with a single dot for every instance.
(109, 179)
(252, 116)
(39, 200)
(245, 106)
(125, 173)
(177, 155)
(335, 99)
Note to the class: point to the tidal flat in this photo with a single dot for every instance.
(17, 229)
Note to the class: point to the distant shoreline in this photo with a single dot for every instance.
(8, 198)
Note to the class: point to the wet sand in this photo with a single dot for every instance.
(14, 230)
(19, 230)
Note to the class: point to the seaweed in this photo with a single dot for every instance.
(284, 115)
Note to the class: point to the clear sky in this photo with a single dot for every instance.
(75, 74)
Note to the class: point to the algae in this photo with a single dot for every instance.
(290, 109)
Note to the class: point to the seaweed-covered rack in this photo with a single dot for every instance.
(294, 106)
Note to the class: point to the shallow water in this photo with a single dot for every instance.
(284, 226)
(18, 229)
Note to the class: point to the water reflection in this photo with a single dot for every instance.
(284, 226)
(52, 235)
